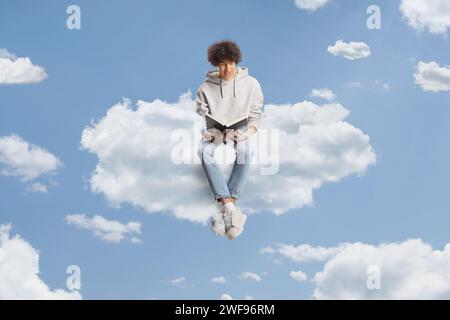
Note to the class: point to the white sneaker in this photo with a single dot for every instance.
(218, 224)
(234, 221)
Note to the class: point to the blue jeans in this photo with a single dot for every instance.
(238, 176)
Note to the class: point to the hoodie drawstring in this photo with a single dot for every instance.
(234, 87)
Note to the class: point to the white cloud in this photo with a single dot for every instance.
(26, 161)
(250, 276)
(37, 187)
(265, 250)
(19, 271)
(219, 279)
(298, 276)
(351, 50)
(134, 150)
(354, 84)
(408, 270)
(372, 84)
(307, 253)
(5, 54)
(225, 296)
(181, 281)
(135, 240)
(15, 70)
(432, 77)
(431, 15)
(311, 5)
(249, 298)
(110, 231)
(325, 94)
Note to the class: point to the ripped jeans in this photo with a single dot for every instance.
(238, 177)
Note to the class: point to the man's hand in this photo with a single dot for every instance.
(237, 136)
(213, 135)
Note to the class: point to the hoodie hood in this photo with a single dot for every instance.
(212, 76)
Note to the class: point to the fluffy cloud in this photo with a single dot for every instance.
(19, 270)
(250, 276)
(181, 281)
(310, 5)
(268, 250)
(351, 50)
(5, 54)
(432, 77)
(431, 15)
(325, 94)
(298, 276)
(37, 187)
(26, 161)
(15, 70)
(307, 253)
(135, 149)
(110, 231)
(354, 84)
(220, 279)
(376, 84)
(410, 269)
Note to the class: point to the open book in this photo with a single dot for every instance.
(232, 124)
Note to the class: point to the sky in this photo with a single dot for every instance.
(86, 117)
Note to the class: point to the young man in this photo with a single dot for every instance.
(228, 93)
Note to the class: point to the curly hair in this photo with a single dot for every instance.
(224, 50)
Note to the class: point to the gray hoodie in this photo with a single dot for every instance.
(227, 100)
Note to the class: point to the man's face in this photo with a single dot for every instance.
(227, 69)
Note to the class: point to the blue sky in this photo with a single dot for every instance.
(147, 50)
